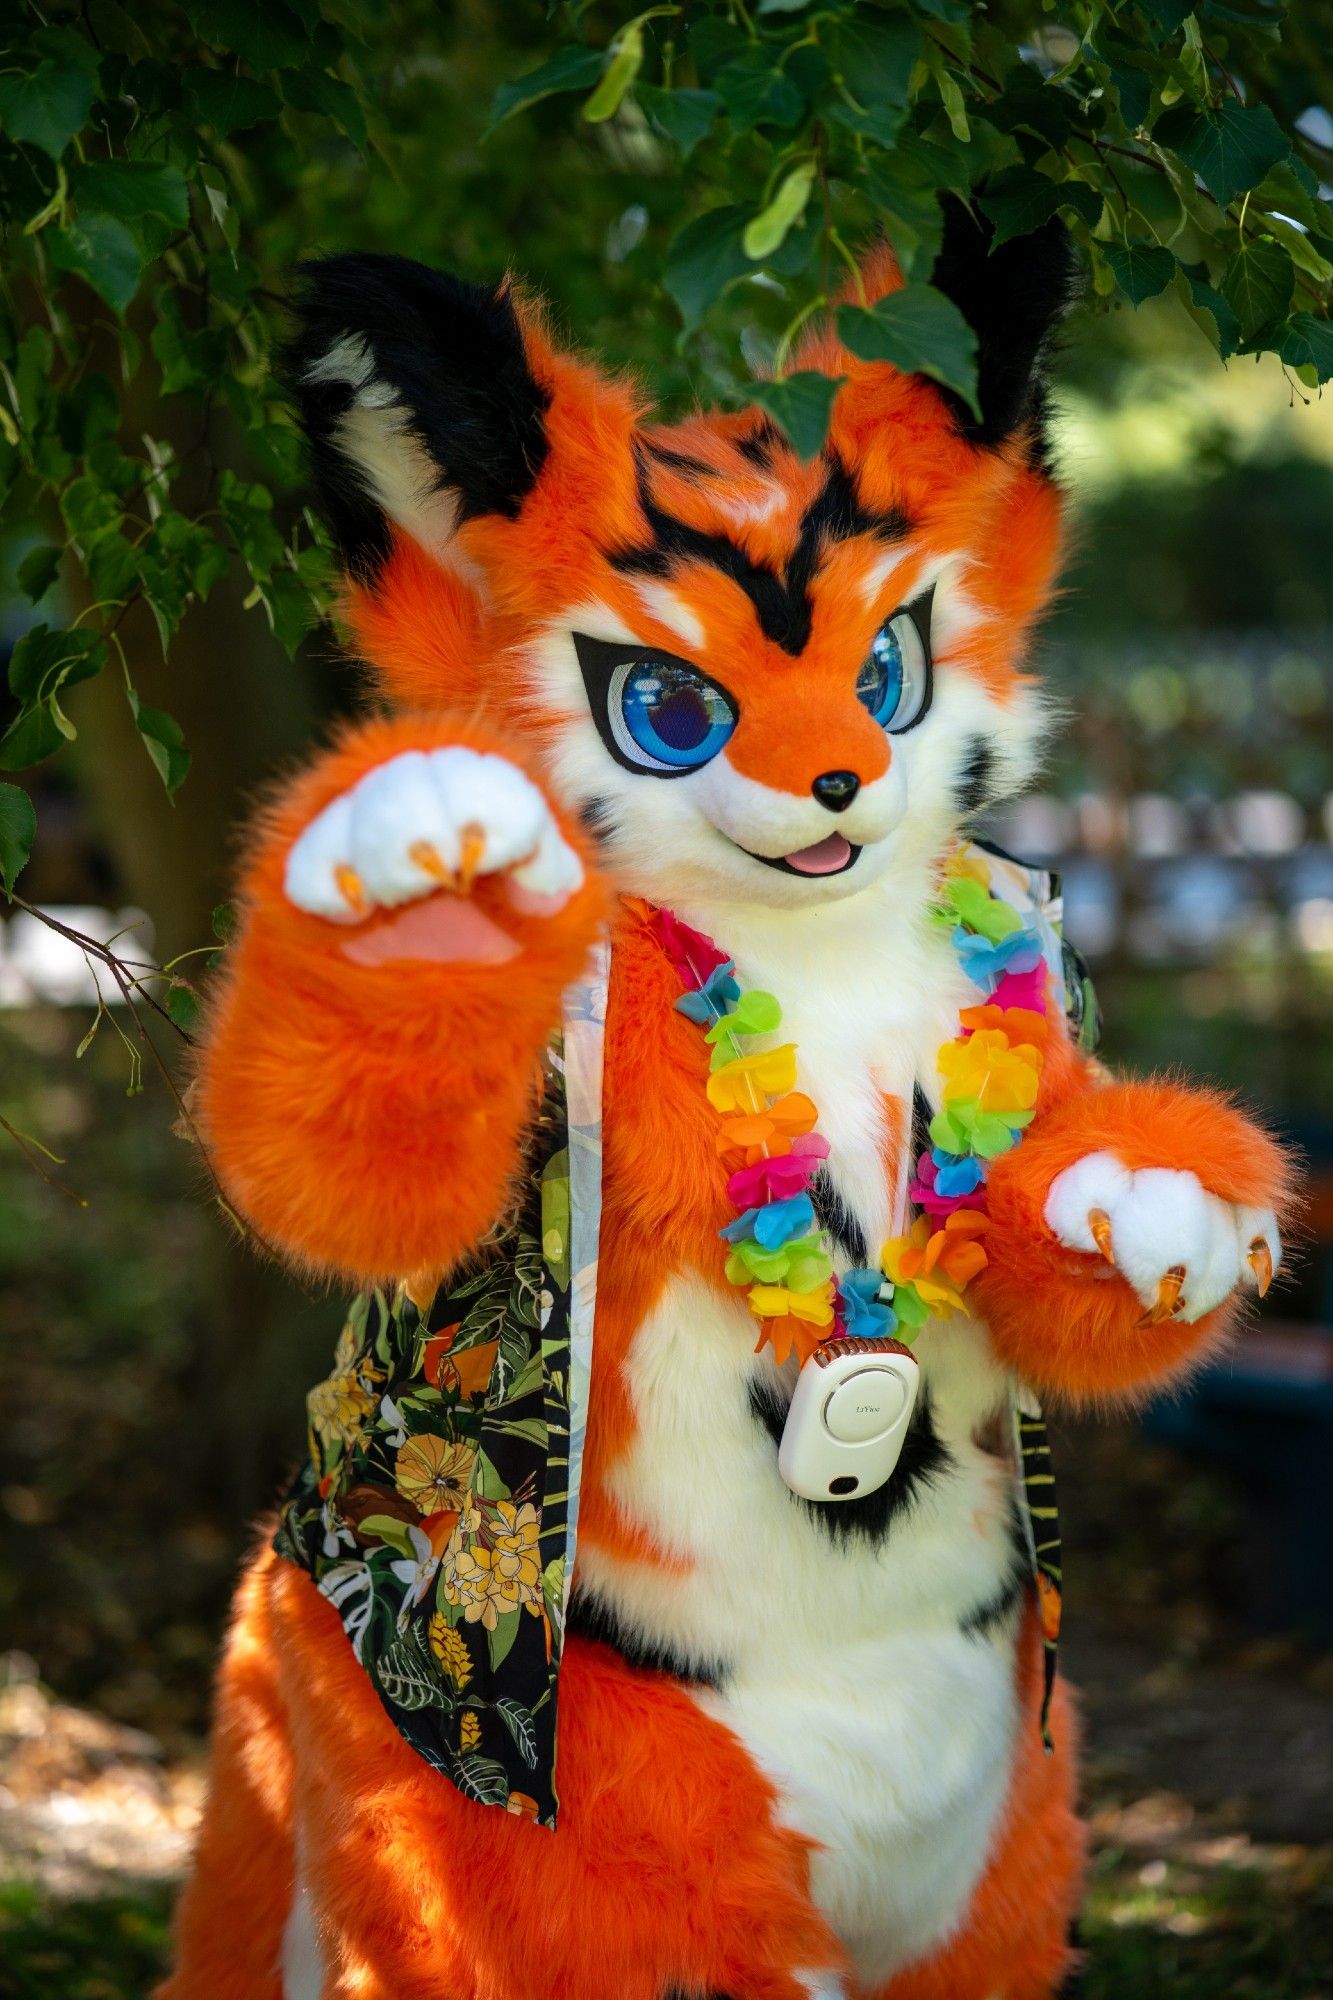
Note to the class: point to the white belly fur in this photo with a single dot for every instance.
(887, 1729)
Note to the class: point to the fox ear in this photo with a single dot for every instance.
(1013, 298)
(418, 399)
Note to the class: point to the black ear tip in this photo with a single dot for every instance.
(1013, 297)
(449, 358)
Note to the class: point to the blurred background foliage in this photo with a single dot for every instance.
(154, 1367)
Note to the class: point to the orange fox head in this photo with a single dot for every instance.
(759, 678)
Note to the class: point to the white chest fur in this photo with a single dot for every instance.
(850, 1674)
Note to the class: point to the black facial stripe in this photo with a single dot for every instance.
(680, 461)
(758, 445)
(598, 660)
(781, 603)
(973, 783)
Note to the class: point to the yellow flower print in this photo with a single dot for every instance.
(469, 1730)
(450, 1650)
(339, 1406)
(497, 1571)
(434, 1474)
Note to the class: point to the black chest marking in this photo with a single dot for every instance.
(589, 1618)
(832, 1214)
(925, 1459)
(995, 1611)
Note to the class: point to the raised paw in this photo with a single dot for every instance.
(1182, 1249)
(428, 820)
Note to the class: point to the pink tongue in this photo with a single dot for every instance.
(824, 858)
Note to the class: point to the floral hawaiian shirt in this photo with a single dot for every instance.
(437, 1510)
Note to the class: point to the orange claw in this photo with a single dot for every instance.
(427, 859)
(473, 844)
(351, 888)
(1099, 1222)
(1169, 1301)
(1260, 1261)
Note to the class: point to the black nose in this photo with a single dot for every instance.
(836, 789)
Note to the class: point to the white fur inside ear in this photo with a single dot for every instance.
(374, 437)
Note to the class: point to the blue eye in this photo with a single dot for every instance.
(894, 681)
(665, 716)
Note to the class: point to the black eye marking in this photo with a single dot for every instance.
(920, 611)
(599, 660)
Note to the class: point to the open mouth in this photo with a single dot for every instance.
(833, 855)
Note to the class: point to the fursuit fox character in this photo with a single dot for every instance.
(601, 1009)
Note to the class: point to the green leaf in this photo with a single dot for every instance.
(44, 661)
(1142, 270)
(625, 62)
(1209, 300)
(18, 828)
(481, 1778)
(102, 251)
(500, 1641)
(224, 922)
(47, 108)
(570, 68)
(33, 735)
(518, 1721)
(163, 741)
(129, 189)
(264, 33)
(1020, 200)
(756, 92)
(1230, 149)
(802, 404)
(38, 571)
(1257, 285)
(1169, 15)
(919, 331)
(686, 116)
(227, 102)
(406, 1680)
(183, 1007)
(874, 59)
(327, 96)
(1307, 342)
(704, 259)
(765, 231)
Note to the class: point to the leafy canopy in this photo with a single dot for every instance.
(161, 166)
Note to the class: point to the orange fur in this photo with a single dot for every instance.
(1085, 1338)
(669, 1867)
(231, 1916)
(370, 1120)
(369, 1124)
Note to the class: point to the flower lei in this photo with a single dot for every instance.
(766, 1131)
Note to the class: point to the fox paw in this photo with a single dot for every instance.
(429, 820)
(1182, 1249)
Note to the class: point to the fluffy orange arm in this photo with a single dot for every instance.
(367, 1118)
(1069, 1323)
